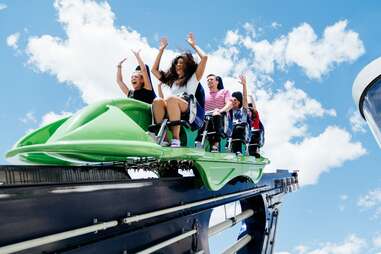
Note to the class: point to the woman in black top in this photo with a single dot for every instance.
(140, 81)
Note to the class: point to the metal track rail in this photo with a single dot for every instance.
(128, 216)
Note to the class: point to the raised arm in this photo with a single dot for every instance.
(201, 66)
(143, 68)
(155, 67)
(160, 90)
(119, 78)
(242, 79)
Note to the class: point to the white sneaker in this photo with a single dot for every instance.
(175, 143)
(165, 143)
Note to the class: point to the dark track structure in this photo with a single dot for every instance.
(100, 209)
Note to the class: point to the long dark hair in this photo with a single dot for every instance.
(170, 76)
(220, 85)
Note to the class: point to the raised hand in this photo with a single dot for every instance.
(120, 63)
(242, 79)
(163, 43)
(191, 40)
(136, 52)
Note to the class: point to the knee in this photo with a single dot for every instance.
(158, 101)
(171, 99)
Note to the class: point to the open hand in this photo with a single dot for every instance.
(136, 52)
(163, 43)
(191, 40)
(242, 79)
(216, 112)
(120, 63)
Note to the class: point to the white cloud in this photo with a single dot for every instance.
(316, 155)
(303, 48)
(276, 25)
(250, 29)
(12, 40)
(301, 249)
(87, 56)
(343, 200)
(28, 118)
(377, 241)
(357, 122)
(344, 197)
(371, 201)
(284, 114)
(351, 245)
(3, 6)
(231, 37)
(223, 212)
(52, 116)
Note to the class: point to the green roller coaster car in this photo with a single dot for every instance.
(116, 130)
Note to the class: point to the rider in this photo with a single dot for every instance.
(257, 130)
(217, 102)
(239, 112)
(179, 83)
(140, 81)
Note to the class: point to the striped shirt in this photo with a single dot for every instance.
(217, 99)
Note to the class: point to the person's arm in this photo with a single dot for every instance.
(244, 91)
(228, 103)
(119, 78)
(143, 68)
(201, 65)
(160, 90)
(228, 106)
(155, 67)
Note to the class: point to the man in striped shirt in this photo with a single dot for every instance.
(218, 98)
(217, 101)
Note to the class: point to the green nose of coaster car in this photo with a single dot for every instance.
(116, 131)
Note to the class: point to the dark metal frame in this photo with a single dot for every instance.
(36, 208)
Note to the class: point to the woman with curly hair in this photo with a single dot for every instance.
(179, 82)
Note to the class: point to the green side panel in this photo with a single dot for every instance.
(116, 119)
(40, 135)
(217, 169)
(112, 124)
(216, 173)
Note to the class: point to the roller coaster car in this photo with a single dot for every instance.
(256, 141)
(215, 130)
(116, 131)
(240, 137)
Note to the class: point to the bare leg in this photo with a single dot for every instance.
(158, 108)
(175, 106)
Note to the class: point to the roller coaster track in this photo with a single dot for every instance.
(99, 209)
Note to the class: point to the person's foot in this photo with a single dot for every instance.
(165, 143)
(175, 143)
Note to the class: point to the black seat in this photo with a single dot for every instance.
(240, 132)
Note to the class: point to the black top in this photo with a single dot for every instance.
(143, 95)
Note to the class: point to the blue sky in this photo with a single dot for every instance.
(300, 59)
